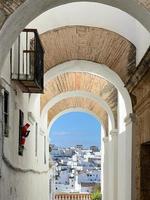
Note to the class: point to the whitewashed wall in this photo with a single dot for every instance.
(117, 158)
(23, 177)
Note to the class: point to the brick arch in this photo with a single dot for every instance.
(79, 102)
(80, 81)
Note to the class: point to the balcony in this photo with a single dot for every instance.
(26, 62)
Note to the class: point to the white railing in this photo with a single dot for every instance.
(65, 196)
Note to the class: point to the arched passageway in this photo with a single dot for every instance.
(87, 64)
(113, 148)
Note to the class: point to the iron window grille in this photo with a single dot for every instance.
(21, 121)
(6, 113)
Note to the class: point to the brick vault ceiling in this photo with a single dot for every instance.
(84, 82)
(92, 44)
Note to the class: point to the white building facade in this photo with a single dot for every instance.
(80, 172)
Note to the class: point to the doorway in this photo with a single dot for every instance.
(145, 171)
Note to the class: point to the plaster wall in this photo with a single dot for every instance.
(121, 166)
(121, 113)
(117, 165)
(23, 186)
(114, 135)
(102, 159)
(105, 170)
(110, 170)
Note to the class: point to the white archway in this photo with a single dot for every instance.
(93, 14)
(121, 141)
(77, 109)
(96, 69)
(103, 132)
(84, 94)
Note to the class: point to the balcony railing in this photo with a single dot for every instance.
(26, 61)
(65, 196)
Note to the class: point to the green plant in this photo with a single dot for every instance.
(96, 193)
(96, 196)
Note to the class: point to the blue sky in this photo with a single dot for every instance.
(75, 128)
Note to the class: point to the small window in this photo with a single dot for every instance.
(6, 113)
(21, 120)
